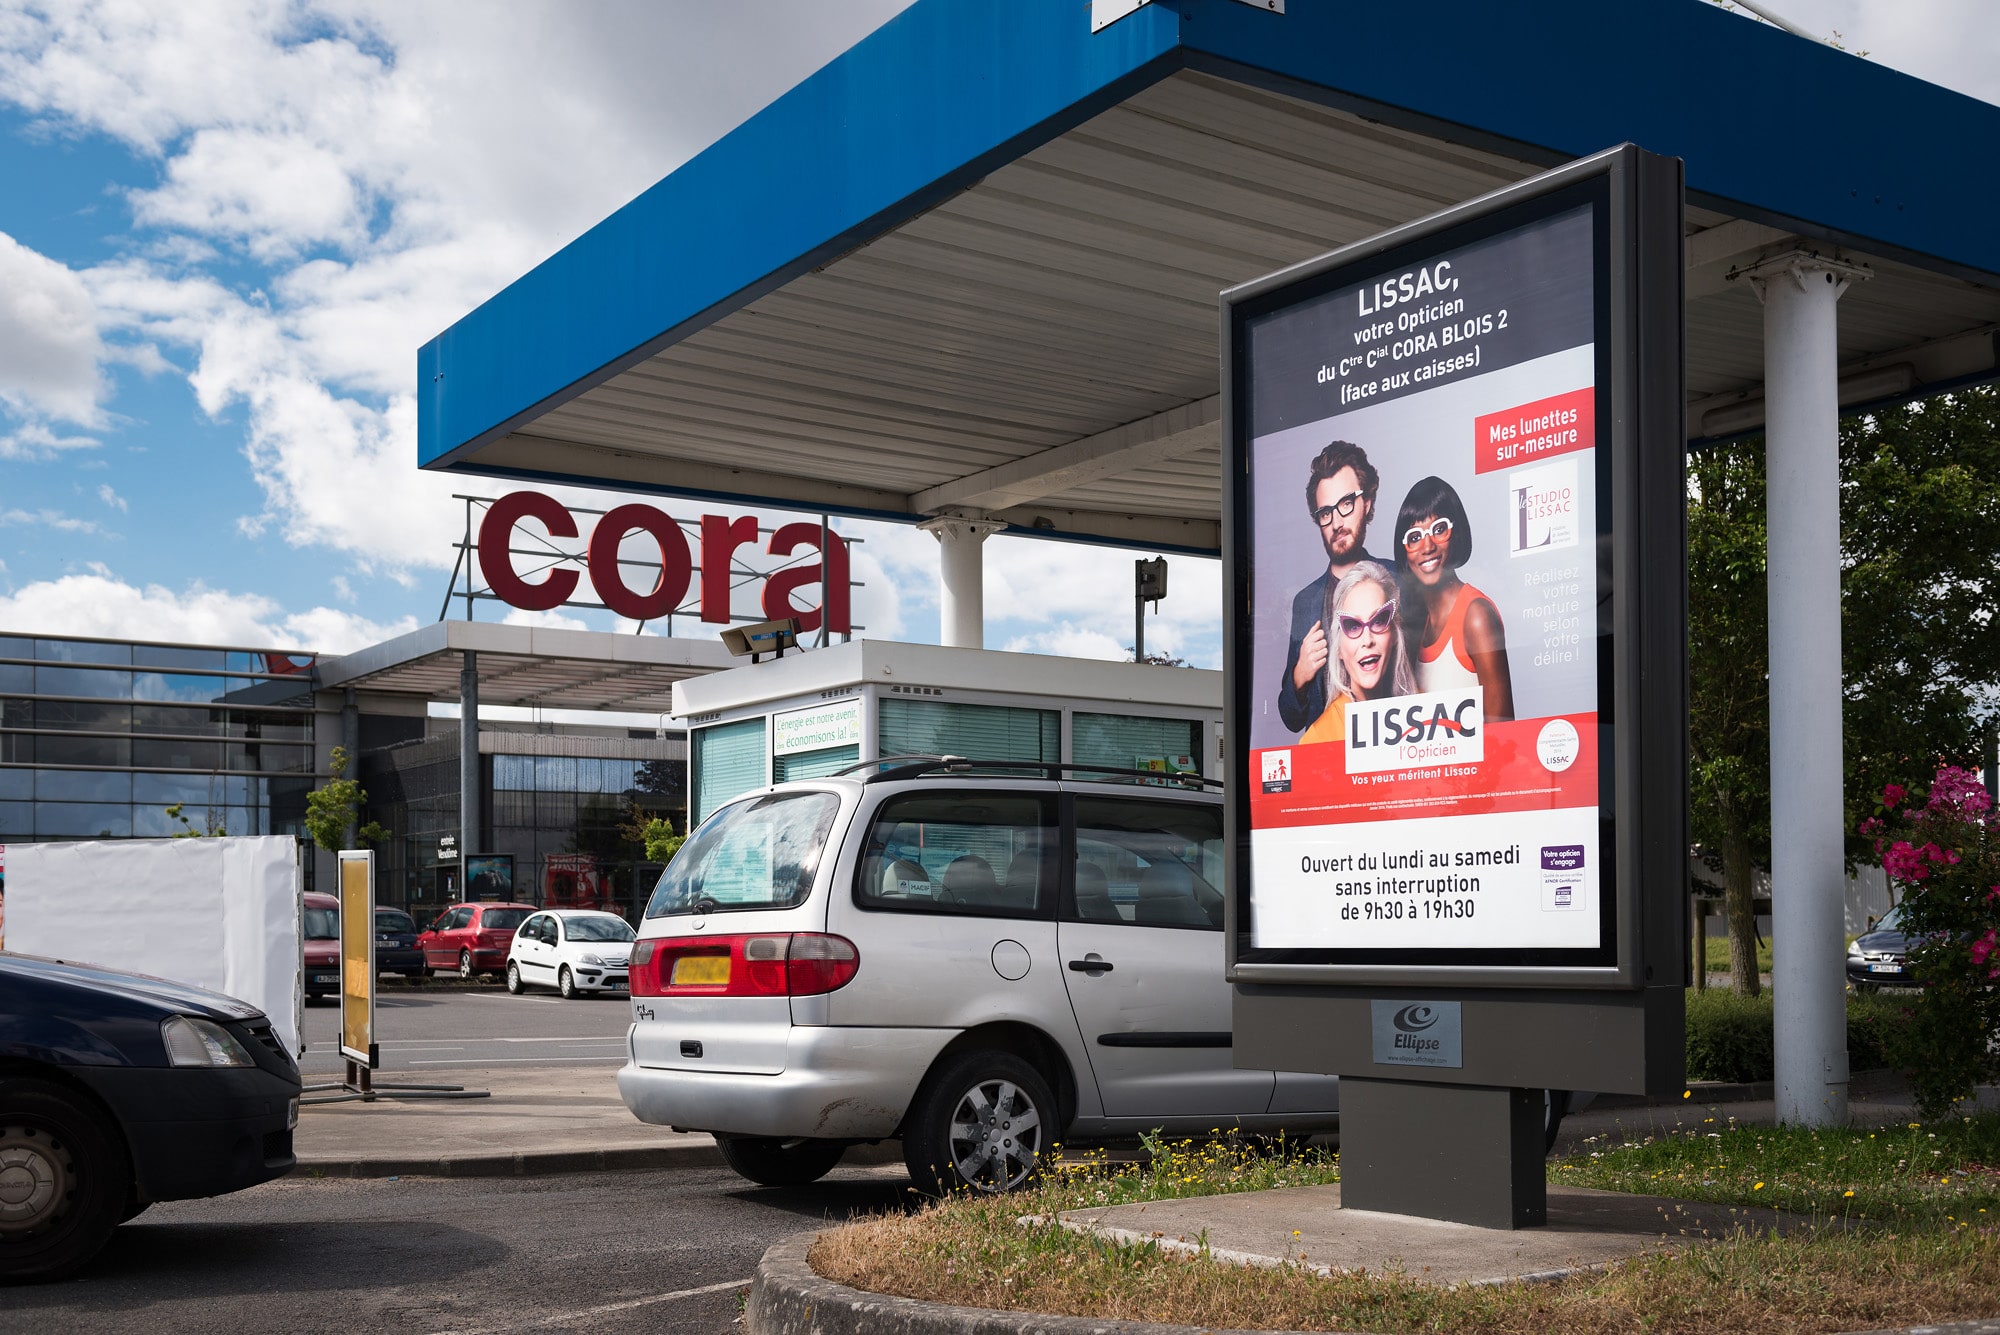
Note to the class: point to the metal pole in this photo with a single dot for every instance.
(1138, 612)
(350, 741)
(1802, 514)
(825, 585)
(468, 768)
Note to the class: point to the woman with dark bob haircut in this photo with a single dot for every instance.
(1461, 639)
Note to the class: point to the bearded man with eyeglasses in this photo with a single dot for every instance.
(1340, 497)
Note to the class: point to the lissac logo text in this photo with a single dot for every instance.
(1441, 727)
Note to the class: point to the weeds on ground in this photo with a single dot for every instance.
(1177, 1168)
(1940, 1174)
(978, 1253)
(1934, 1257)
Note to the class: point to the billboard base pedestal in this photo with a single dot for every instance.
(1471, 1154)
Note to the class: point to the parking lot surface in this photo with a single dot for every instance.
(429, 1031)
(608, 1252)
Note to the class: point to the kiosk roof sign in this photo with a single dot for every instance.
(1435, 571)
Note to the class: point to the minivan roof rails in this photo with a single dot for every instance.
(936, 766)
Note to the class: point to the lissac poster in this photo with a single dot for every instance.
(1422, 530)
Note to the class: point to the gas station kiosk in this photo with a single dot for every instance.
(811, 713)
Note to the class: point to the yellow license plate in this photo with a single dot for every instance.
(697, 969)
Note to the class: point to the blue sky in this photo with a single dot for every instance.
(227, 226)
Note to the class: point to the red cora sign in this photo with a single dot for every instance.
(720, 537)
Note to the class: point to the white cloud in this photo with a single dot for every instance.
(35, 441)
(100, 604)
(111, 498)
(552, 620)
(1071, 641)
(49, 346)
(382, 163)
(55, 519)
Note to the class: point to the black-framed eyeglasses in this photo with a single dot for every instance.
(1342, 508)
(1439, 528)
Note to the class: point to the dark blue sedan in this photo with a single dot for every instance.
(396, 948)
(1880, 956)
(118, 1090)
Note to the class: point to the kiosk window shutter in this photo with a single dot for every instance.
(813, 764)
(1122, 741)
(728, 761)
(982, 732)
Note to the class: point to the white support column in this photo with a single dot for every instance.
(1802, 508)
(961, 578)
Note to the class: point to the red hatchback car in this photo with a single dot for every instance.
(472, 938)
(322, 946)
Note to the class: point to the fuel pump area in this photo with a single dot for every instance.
(966, 277)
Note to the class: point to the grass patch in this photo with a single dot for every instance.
(1937, 1175)
(1175, 1169)
(1718, 955)
(973, 1253)
(1935, 1258)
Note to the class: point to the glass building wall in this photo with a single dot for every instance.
(99, 739)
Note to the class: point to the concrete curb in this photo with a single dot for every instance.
(632, 1159)
(788, 1298)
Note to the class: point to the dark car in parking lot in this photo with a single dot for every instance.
(396, 949)
(118, 1090)
(1880, 956)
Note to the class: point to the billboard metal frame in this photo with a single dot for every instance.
(1641, 597)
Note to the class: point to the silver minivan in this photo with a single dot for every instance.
(982, 961)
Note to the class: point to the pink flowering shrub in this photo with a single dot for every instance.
(1942, 855)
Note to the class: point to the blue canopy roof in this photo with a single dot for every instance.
(1780, 135)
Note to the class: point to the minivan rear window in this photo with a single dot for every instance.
(756, 854)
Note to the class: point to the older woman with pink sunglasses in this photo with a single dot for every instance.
(1369, 661)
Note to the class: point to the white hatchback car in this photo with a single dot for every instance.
(575, 951)
(981, 962)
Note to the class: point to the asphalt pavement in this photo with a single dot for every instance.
(612, 1252)
(425, 1030)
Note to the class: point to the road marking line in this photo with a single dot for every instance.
(608, 1308)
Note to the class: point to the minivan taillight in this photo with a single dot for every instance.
(791, 964)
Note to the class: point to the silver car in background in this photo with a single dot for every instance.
(980, 960)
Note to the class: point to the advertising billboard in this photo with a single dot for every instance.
(1431, 434)
(357, 956)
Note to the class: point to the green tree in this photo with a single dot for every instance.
(1920, 542)
(332, 809)
(1729, 737)
(1920, 646)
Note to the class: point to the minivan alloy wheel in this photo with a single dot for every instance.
(982, 1122)
(996, 1136)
